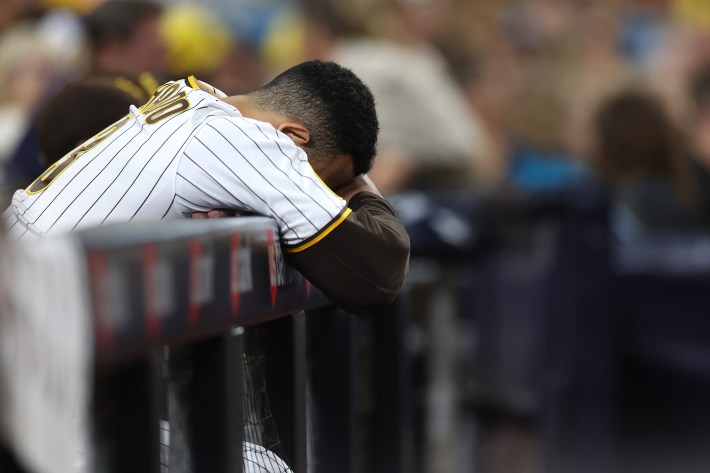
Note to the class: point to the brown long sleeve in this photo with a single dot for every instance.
(362, 263)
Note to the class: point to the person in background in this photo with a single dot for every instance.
(431, 139)
(42, 49)
(94, 102)
(640, 152)
(127, 50)
(125, 40)
(127, 53)
(699, 131)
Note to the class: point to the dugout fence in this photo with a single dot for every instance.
(203, 352)
(553, 343)
(535, 336)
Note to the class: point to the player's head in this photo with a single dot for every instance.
(125, 37)
(333, 104)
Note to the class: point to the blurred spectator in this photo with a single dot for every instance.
(199, 43)
(14, 10)
(34, 54)
(95, 103)
(699, 130)
(571, 63)
(641, 153)
(430, 138)
(125, 39)
(126, 50)
(241, 72)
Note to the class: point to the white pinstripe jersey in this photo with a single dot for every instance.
(183, 151)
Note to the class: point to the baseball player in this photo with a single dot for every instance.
(296, 150)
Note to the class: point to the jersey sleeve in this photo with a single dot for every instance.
(362, 264)
(244, 164)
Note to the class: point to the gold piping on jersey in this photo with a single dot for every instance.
(323, 183)
(323, 233)
(56, 169)
(199, 85)
(193, 83)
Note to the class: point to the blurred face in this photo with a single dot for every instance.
(144, 51)
(421, 17)
(701, 135)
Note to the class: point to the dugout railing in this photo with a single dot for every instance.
(184, 297)
(553, 343)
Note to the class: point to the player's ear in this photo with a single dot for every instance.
(297, 132)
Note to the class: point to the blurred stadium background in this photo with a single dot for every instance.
(551, 159)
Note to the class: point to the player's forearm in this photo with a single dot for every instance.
(362, 264)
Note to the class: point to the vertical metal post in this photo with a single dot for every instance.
(441, 422)
(285, 348)
(216, 417)
(299, 393)
(393, 446)
(331, 333)
(8, 464)
(126, 409)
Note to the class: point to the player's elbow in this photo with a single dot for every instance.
(381, 286)
(374, 299)
(358, 278)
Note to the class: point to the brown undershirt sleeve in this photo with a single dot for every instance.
(362, 263)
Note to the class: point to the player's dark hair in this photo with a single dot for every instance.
(334, 105)
(118, 19)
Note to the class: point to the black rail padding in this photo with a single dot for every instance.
(451, 226)
(8, 463)
(576, 349)
(215, 412)
(126, 417)
(285, 355)
(393, 424)
(300, 378)
(332, 355)
(662, 378)
(156, 283)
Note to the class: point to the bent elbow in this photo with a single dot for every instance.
(360, 279)
(384, 286)
(376, 299)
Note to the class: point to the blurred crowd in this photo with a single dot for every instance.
(483, 97)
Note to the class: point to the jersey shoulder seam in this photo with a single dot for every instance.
(320, 234)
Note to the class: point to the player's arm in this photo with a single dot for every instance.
(357, 254)
(362, 263)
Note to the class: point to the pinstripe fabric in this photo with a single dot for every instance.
(194, 158)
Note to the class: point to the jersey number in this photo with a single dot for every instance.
(48, 176)
(165, 103)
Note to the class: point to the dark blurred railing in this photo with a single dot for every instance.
(536, 339)
(195, 286)
(551, 344)
(162, 293)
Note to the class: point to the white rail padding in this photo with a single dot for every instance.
(45, 354)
